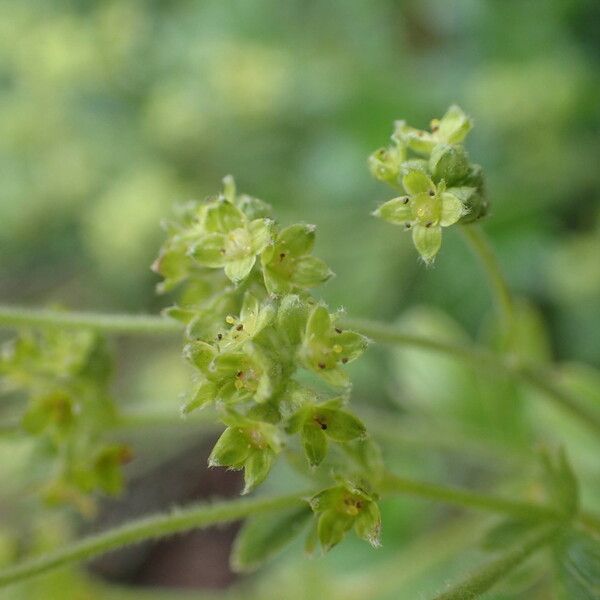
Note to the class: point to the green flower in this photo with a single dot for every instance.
(287, 263)
(342, 508)
(452, 128)
(384, 163)
(318, 423)
(249, 445)
(425, 210)
(326, 347)
(254, 317)
(230, 240)
(229, 377)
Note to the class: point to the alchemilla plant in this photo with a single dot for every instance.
(270, 362)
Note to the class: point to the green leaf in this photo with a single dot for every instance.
(263, 537)
(577, 558)
(396, 211)
(560, 481)
(314, 442)
(427, 240)
(506, 533)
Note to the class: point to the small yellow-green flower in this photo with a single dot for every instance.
(326, 347)
(425, 209)
(342, 508)
(230, 240)
(452, 128)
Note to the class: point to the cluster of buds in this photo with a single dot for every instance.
(267, 355)
(439, 185)
(64, 375)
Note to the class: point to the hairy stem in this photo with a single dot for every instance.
(16, 317)
(480, 246)
(539, 377)
(486, 576)
(155, 526)
(204, 515)
(468, 499)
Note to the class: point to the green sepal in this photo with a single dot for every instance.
(231, 450)
(367, 524)
(396, 211)
(204, 394)
(314, 442)
(331, 528)
(257, 468)
(427, 241)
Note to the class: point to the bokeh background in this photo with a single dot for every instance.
(112, 111)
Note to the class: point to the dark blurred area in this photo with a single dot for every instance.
(113, 111)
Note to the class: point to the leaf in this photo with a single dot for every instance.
(577, 557)
(263, 537)
(560, 481)
(506, 533)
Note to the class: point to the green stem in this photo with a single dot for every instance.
(204, 515)
(480, 246)
(16, 317)
(538, 377)
(468, 499)
(486, 576)
(155, 526)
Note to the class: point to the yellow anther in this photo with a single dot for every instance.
(229, 319)
(337, 348)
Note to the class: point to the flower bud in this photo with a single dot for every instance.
(449, 163)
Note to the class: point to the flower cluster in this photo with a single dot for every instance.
(65, 375)
(439, 185)
(267, 354)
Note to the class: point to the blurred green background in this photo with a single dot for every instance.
(112, 111)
